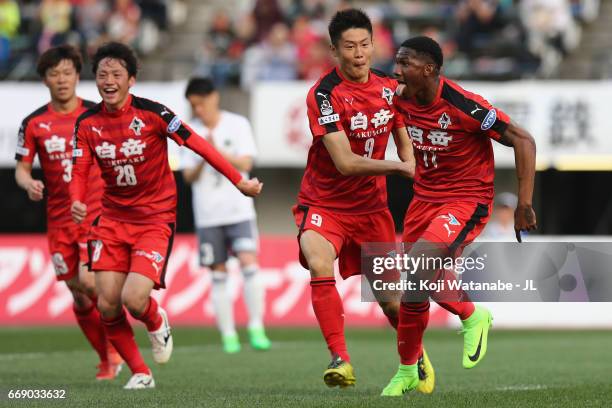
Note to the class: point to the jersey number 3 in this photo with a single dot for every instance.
(126, 175)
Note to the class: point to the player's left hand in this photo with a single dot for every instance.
(250, 187)
(78, 211)
(524, 219)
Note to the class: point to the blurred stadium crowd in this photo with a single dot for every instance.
(30, 27)
(287, 39)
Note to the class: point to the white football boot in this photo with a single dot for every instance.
(161, 340)
(140, 381)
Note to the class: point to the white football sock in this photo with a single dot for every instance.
(222, 304)
(254, 296)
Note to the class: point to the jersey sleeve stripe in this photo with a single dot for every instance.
(24, 127)
(163, 112)
(470, 107)
(95, 109)
(323, 92)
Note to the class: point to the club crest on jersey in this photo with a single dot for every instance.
(489, 120)
(387, 95)
(137, 125)
(174, 125)
(55, 144)
(444, 121)
(132, 147)
(106, 151)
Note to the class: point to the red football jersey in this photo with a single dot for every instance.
(452, 144)
(130, 146)
(49, 134)
(365, 112)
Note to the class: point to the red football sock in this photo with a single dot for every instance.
(151, 317)
(455, 301)
(120, 334)
(329, 311)
(461, 309)
(91, 326)
(413, 319)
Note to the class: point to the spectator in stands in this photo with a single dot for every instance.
(317, 60)
(384, 47)
(273, 59)
(266, 13)
(55, 20)
(156, 10)
(552, 30)
(90, 17)
(124, 22)
(9, 23)
(479, 22)
(220, 55)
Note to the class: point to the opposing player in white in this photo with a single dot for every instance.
(225, 219)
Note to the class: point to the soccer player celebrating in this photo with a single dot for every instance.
(451, 131)
(47, 132)
(131, 241)
(342, 201)
(224, 218)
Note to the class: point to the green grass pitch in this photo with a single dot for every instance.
(522, 369)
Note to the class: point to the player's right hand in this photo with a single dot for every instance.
(35, 190)
(78, 211)
(406, 169)
(250, 187)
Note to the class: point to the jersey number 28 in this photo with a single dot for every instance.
(126, 175)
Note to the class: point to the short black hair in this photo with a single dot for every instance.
(55, 55)
(118, 51)
(345, 20)
(199, 86)
(426, 46)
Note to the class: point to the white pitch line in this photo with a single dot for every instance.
(525, 387)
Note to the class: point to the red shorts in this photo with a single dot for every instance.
(125, 247)
(68, 247)
(456, 224)
(346, 232)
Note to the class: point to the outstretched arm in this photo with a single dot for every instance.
(524, 156)
(214, 158)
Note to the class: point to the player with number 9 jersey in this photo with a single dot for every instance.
(348, 209)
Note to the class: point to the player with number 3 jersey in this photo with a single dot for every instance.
(47, 133)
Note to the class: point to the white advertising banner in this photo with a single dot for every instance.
(20, 99)
(569, 120)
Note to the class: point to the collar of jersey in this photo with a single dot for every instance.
(350, 83)
(119, 112)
